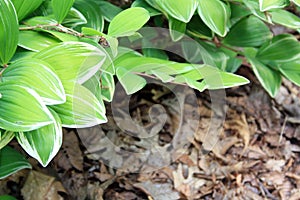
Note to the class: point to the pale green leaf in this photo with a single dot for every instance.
(38, 75)
(43, 143)
(215, 14)
(182, 10)
(286, 18)
(107, 86)
(128, 22)
(21, 108)
(297, 2)
(35, 41)
(61, 9)
(254, 33)
(5, 138)
(82, 109)
(265, 5)
(11, 161)
(269, 79)
(73, 60)
(9, 31)
(253, 6)
(130, 82)
(25, 7)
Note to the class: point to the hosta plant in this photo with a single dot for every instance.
(59, 59)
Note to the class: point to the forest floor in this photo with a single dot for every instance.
(245, 145)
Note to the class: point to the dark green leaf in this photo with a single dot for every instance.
(9, 31)
(11, 161)
(197, 28)
(249, 32)
(291, 71)
(282, 48)
(108, 10)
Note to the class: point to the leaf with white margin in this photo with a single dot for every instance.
(38, 75)
(77, 61)
(21, 108)
(43, 143)
(82, 109)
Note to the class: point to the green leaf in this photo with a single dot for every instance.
(25, 7)
(41, 20)
(38, 75)
(265, 5)
(238, 12)
(108, 10)
(182, 10)
(254, 33)
(217, 79)
(82, 109)
(253, 6)
(94, 85)
(107, 86)
(215, 14)
(73, 60)
(61, 9)
(286, 18)
(7, 197)
(74, 18)
(43, 143)
(21, 108)
(9, 31)
(177, 29)
(282, 48)
(291, 71)
(270, 79)
(92, 12)
(130, 82)
(5, 138)
(165, 78)
(35, 41)
(142, 3)
(197, 28)
(127, 22)
(11, 161)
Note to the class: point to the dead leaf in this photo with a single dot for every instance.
(158, 191)
(39, 186)
(71, 145)
(190, 185)
(275, 165)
